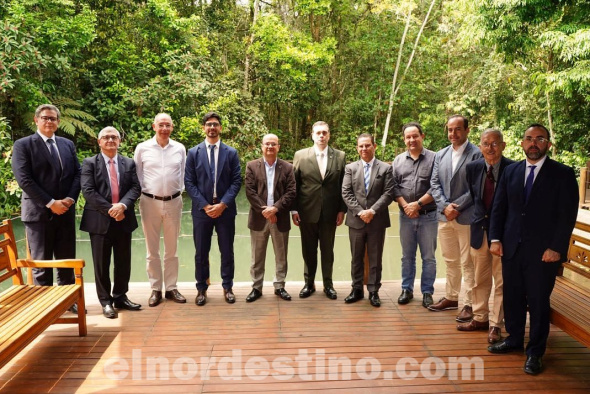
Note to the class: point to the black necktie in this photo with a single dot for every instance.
(529, 183)
(488, 188)
(54, 155)
(212, 161)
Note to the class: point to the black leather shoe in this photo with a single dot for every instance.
(504, 347)
(229, 296)
(374, 299)
(109, 312)
(128, 305)
(283, 294)
(201, 298)
(254, 295)
(354, 296)
(405, 297)
(427, 300)
(155, 298)
(175, 296)
(307, 291)
(330, 293)
(533, 365)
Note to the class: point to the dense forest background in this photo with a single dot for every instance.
(280, 65)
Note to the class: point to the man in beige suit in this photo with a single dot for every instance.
(270, 189)
(318, 208)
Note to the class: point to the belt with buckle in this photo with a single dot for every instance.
(426, 211)
(165, 198)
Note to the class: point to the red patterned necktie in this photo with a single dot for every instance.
(114, 182)
(488, 188)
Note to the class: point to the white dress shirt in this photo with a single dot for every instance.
(160, 169)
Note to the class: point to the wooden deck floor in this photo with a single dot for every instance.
(273, 345)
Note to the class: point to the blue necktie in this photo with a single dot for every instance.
(212, 161)
(54, 155)
(529, 184)
(367, 176)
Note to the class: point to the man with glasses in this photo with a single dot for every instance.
(533, 216)
(212, 179)
(110, 187)
(47, 170)
(318, 207)
(270, 189)
(160, 165)
(483, 176)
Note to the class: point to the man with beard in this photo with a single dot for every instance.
(533, 216)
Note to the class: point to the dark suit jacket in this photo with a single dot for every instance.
(199, 184)
(546, 220)
(34, 171)
(97, 192)
(379, 197)
(448, 187)
(257, 192)
(314, 194)
(480, 219)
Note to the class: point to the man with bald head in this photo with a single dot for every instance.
(160, 163)
(270, 189)
(110, 187)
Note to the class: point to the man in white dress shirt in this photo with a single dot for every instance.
(160, 165)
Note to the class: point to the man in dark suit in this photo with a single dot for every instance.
(270, 189)
(533, 216)
(110, 187)
(318, 207)
(482, 176)
(450, 191)
(47, 170)
(367, 190)
(212, 179)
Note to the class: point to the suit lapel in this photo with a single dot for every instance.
(203, 156)
(374, 172)
(360, 177)
(102, 176)
(461, 159)
(447, 164)
(314, 162)
(330, 157)
(278, 169)
(42, 146)
(221, 159)
(540, 179)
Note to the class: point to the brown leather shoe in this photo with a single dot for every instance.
(465, 315)
(175, 296)
(443, 305)
(155, 298)
(201, 298)
(494, 335)
(473, 325)
(230, 298)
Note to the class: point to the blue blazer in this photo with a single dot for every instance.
(480, 219)
(452, 187)
(546, 221)
(35, 173)
(199, 184)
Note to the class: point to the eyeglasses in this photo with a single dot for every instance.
(109, 137)
(270, 144)
(538, 140)
(493, 144)
(47, 119)
(212, 124)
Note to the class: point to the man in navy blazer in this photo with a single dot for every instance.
(533, 216)
(47, 170)
(212, 179)
(450, 191)
(110, 187)
(483, 176)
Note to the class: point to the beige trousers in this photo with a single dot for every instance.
(259, 242)
(487, 267)
(454, 244)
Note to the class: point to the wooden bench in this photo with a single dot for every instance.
(570, 300)
(27, 310)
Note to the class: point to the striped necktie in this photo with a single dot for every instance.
(367, 177)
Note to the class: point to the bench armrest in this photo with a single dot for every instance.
(27, 263)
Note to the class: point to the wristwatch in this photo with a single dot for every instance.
(419, 203)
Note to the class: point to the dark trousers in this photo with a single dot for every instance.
(528, 281)
(225, 228)
(53, 239)
(312, 233)
(374, 240)
(117, 241)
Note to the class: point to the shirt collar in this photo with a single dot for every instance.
(45, 138)
(106, 158)
(268, 165)
(538, 164)
(317, 151)
(461, 148)
(370, 163)
(207, 144)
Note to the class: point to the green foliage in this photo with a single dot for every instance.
(10, 192)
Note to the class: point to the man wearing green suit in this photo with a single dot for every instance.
(319, 207)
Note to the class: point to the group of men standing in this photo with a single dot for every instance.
(502, 225)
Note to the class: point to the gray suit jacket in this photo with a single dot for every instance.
(378, 198)
(452, 187)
